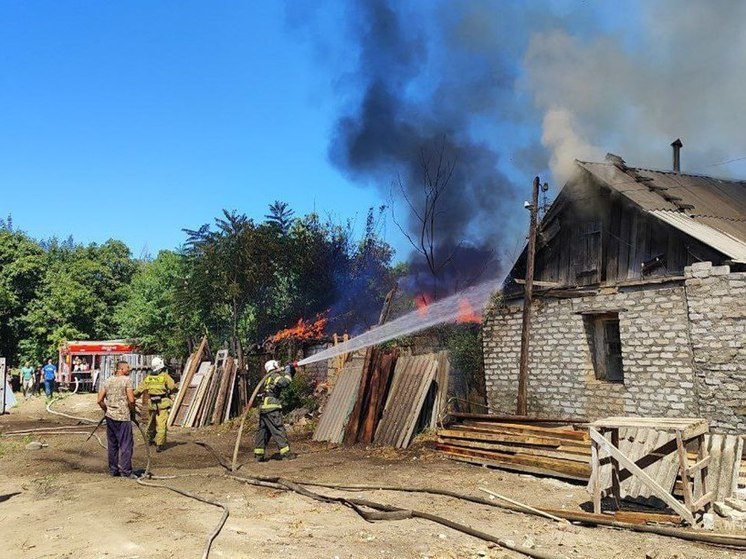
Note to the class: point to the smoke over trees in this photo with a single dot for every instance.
(520, 89)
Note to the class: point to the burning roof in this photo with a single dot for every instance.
(302, 331)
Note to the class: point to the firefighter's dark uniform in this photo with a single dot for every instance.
(159, 386)
(270, 413)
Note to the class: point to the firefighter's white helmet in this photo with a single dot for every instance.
(157, 364)
(271, 365)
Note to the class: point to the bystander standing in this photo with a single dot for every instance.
(27, 378)
(117, 399)
(50, 372)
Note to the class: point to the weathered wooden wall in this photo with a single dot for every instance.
(594, 236)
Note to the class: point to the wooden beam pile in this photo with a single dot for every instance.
(206, 391)
(539, 448)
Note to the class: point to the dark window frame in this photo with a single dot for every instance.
(605, 344)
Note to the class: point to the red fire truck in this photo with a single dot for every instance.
(82, 362)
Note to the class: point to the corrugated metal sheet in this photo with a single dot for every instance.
(625, 184)
(711, 210)
(636, 444)
(338, 407)
(412, 379)
(719, 240)
(725, 461)
(722, 473)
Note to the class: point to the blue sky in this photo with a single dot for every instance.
(134, 120)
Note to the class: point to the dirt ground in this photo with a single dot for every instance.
(60, 502)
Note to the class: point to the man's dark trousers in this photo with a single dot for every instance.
(119, 438)
(271, 425)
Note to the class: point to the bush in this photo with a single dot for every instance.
(299, 394)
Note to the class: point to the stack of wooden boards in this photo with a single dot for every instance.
(563, 450)
(206, 391)
(544, 448)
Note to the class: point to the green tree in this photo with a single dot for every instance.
(78, 293)
(280, 216)
(21, 270)
(150, 312)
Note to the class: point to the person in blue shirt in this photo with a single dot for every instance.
(49, 371)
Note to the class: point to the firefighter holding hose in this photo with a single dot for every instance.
(159, 385)
(270, 411)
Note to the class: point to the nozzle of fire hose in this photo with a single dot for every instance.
(294, 364)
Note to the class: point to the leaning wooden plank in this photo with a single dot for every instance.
(218, 411)
(186, 378)
(441, 378)
(198, 396)
(659, 492)
(231, 389)
(191, 392)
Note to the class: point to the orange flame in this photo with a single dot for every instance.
(422, 301)
(302, 331)
(466, 313)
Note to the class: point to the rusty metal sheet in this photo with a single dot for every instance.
(441, 378)
(339, 405)
(412, 379)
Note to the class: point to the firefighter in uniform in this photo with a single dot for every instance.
(270, 411)
(159, 385)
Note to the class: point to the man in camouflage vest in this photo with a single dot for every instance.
(159, 385)
(270, 411)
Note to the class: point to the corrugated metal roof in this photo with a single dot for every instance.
(333, 421)
(719, 240)
(710, 209)
(412, 379)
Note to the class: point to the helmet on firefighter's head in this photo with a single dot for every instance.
(157, 364)
(271, 365)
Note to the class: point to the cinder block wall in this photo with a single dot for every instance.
(717, 311)
(659, 377)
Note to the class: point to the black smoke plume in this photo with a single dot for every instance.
(402, 123)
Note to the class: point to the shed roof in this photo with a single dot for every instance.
(709, 209)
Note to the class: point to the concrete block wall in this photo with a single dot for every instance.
(659, 377)
(717, 313)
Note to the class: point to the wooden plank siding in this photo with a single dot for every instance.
(604, 239)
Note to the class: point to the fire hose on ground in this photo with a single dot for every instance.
(386, 512)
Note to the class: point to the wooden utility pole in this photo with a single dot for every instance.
(522, 408)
